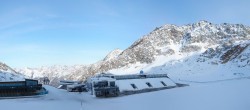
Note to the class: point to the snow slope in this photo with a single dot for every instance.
(222, 95)
(9, 74)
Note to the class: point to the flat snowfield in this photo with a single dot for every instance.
(222, 95)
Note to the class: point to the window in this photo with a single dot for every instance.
(149, 85)
(164, 84)
(143, 76)
(134, 86)
(112, 84)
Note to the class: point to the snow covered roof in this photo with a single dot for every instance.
(147, 83)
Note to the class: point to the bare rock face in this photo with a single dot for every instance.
(226, 42)
(232, 53)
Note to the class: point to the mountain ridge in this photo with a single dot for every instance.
(209, 41)
(9, 74)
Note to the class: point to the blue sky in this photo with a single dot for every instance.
(37, 33)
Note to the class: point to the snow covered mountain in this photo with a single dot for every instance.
(195, 44)
(196, 48)
(54, 73)
(9, 74)
(113, 55)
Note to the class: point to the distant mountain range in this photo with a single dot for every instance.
(9, 74)
(188, 49)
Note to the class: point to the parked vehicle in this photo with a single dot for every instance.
(76, 88)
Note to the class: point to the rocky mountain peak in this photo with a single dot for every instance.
(202, 23)
(6, 68)
(112, 55)
(9, 74)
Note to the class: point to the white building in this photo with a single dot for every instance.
(106, 84)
